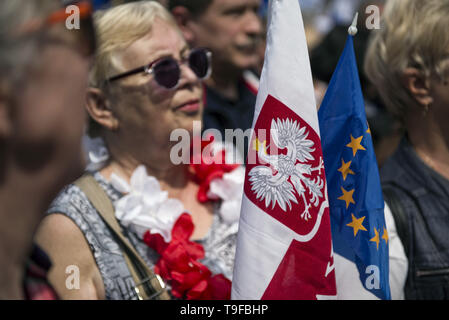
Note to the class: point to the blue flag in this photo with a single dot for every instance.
(359, 232)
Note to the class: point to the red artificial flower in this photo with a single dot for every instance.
(178, 264)
(177, 254)
(220, 287)
(211, 166)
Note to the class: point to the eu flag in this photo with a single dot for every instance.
(359, 232)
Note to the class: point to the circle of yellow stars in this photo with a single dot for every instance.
(347, 195)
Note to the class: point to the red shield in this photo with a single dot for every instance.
(274, 109)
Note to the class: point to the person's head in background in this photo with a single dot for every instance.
(231, 29)
(408, 62)
(43, 78)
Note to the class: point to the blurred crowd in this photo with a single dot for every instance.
(132, 73)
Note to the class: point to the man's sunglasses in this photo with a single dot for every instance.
(167, 71)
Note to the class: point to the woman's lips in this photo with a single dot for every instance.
(192, 106)
(249, 48)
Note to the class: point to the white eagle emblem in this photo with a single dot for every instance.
(291, 169)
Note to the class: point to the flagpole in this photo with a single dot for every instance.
(352, 30)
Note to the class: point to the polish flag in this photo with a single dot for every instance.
(284, 244)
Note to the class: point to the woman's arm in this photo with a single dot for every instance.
(69, 252)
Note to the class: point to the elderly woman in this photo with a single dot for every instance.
(408, 61)
(145, 83)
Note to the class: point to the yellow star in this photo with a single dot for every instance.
(385, 235)
(355, 144)
(344, 169)
(347, 196)
(357, 224)
(368, 130)
(257, 145)
(376, 238)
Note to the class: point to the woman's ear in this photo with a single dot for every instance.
(99, 109)
(418, 85)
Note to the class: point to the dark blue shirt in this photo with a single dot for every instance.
(222, 113)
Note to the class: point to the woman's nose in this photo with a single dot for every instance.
(187, 76)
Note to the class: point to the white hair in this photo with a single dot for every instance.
(117, 28)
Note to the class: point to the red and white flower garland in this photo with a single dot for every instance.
(165, 226)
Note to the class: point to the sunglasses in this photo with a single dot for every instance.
(167, 71)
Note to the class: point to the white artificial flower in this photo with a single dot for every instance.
(97, 153)
(230, 190)
(145, 206)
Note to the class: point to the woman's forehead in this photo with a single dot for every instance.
(162, 40)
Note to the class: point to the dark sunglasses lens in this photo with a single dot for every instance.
(166, 73)
(199, 63)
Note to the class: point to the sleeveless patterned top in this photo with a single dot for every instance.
(219, 243)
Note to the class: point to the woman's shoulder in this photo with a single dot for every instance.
(70, 198)
(73, 202)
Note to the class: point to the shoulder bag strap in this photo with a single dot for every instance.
(141, 273)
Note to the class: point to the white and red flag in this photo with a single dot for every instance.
(284, 246)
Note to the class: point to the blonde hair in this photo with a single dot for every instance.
(117, 28)
(413, 33)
